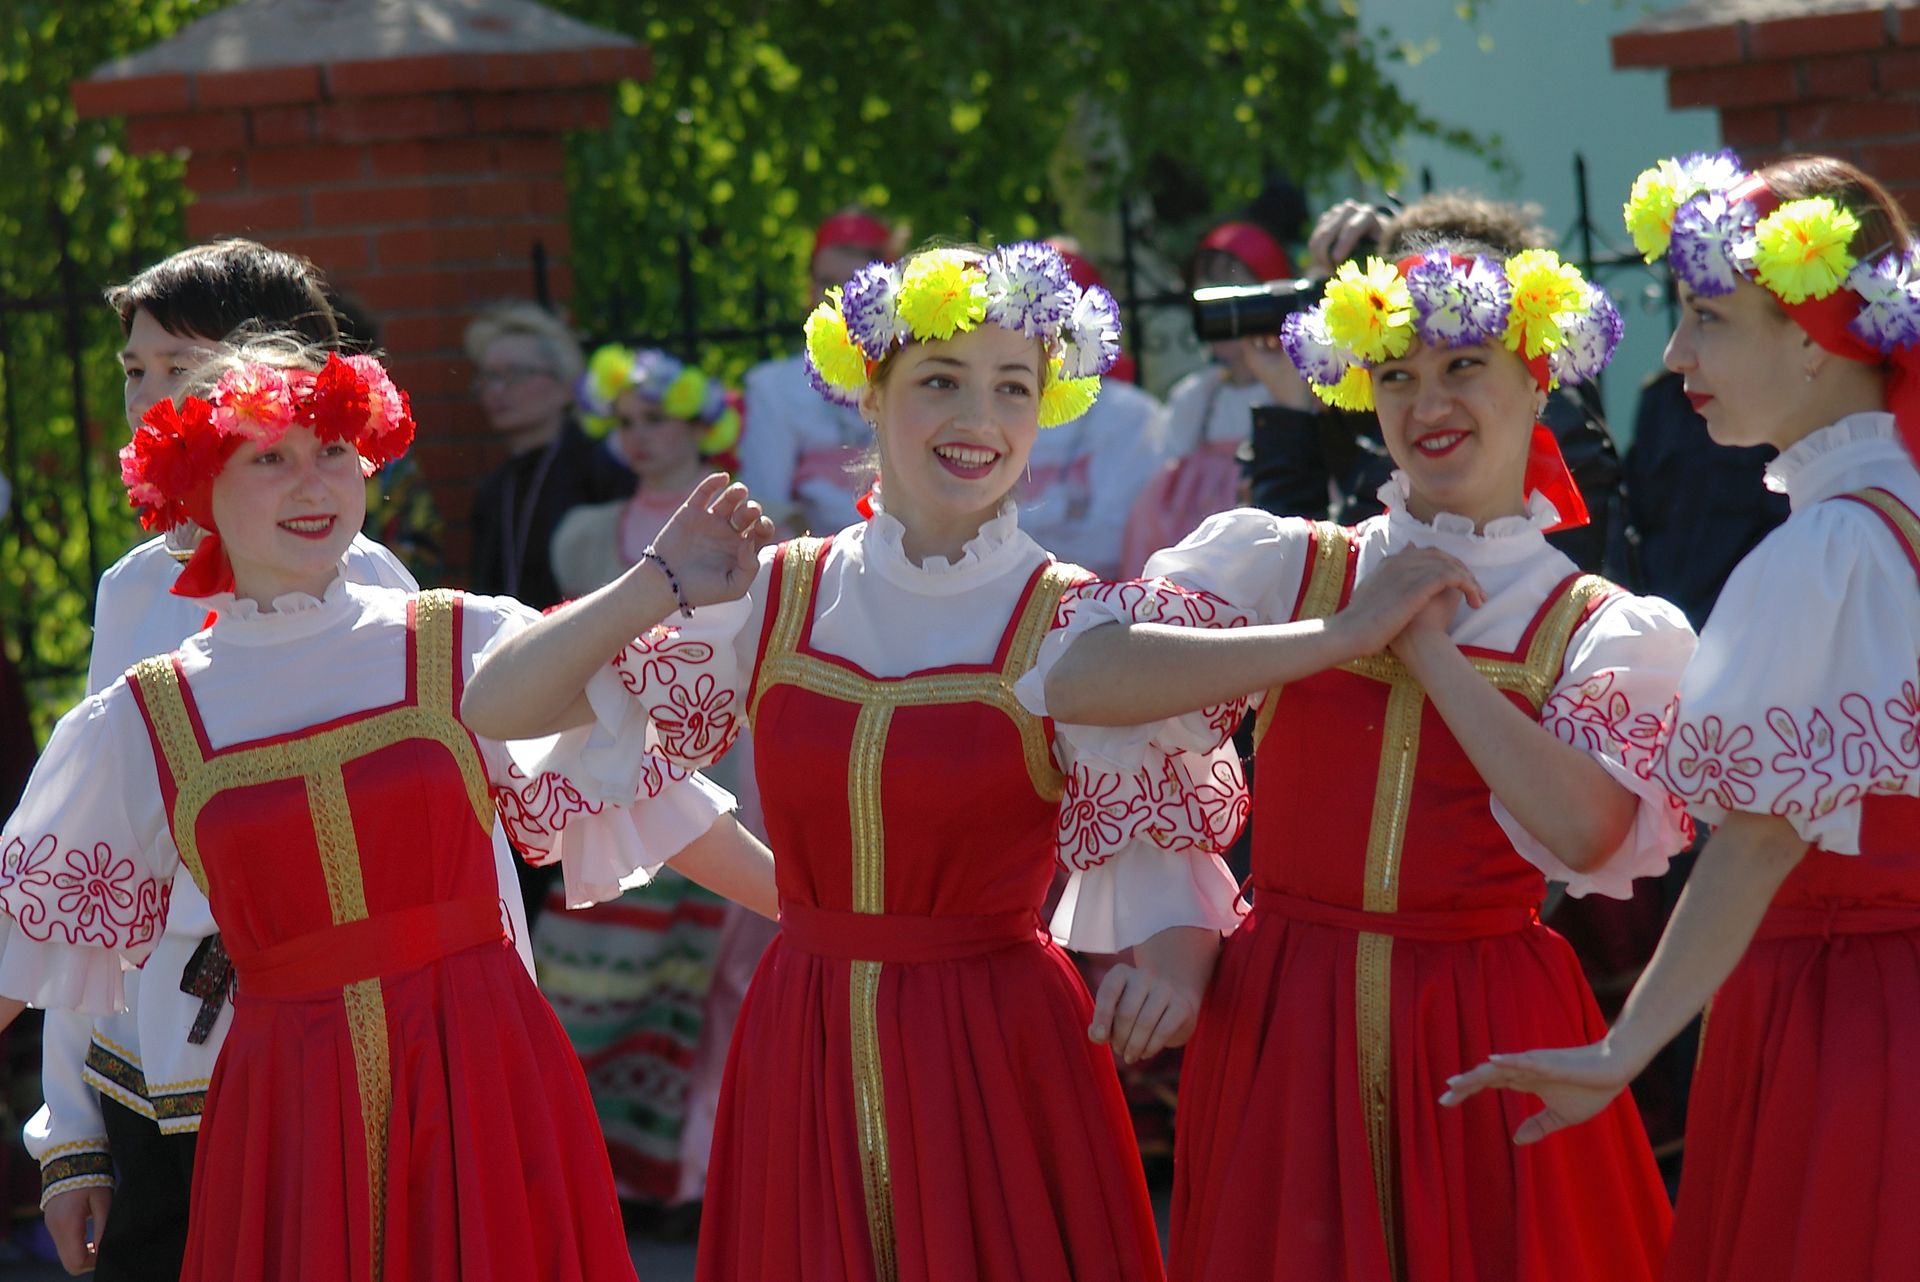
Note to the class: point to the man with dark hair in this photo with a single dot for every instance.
(124, 1092)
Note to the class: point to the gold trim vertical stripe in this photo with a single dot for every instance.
(870, 1112)
(1373, 957)
(797, 570)
(433, 650)
(167, 713)
(367, 1030)
(869, 896)
(1326, 579)
(338, 845)
(1373, 1026)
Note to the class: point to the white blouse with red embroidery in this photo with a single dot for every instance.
(85, 859)
(1805, 695)
(1621, 668)
(680, 692)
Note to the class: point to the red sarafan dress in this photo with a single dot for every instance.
(1803, 1129)
(911, 1095)
(395, 1099)
(1394, 938)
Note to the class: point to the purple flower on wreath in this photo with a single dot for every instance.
(1090, 338)
(1029, 289)
(850, 400)
(1455, 304)
(1588, 338)
(1712, 170)
(870, 304)
(1712, 240)
(1889, 289)
(1311, 348)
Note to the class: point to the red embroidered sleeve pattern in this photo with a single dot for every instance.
(1102, 812)
(1812, 766)
(82, 897)
(695, 722)
(534, 811)
(1161, 600)
(656, 659)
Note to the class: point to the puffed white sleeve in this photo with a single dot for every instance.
(561, 802)
(86, 861)
(1149, 810)
(1804, 697)
(1616, 687)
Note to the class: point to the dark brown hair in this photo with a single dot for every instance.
(211, 290)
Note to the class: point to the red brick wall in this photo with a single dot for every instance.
(420, 184)
(1847, 84)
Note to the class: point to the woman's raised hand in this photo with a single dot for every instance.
(712, 544)
(1573, 1084)
(1398, 591)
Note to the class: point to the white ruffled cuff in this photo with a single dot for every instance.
(1142, 891)
(602, 853)
(59, 976)
(1660, 830)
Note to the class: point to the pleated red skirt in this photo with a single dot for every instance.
(1803, 1132)
(1007, 1155)
(495, 1168)
(1276, 1138)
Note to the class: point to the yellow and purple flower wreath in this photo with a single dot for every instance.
(681, 391)
(1024, 287)
(1533, 304)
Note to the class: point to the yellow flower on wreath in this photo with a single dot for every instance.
(1651, 205)
(1800, 249)
(1369, 311)
(838, 358)
(942, 292)
(1543, 288)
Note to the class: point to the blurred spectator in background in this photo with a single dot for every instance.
(1208, 414)
(800, 455)
(526, 363)
(1085, 475)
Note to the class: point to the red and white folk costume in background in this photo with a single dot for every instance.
(1394, 937)
(394, 1098)
(1803, 1130)
(911, 1093)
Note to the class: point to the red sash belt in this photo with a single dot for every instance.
(394, 941)
(1438, 924)
(899, 937)
(1837, 918)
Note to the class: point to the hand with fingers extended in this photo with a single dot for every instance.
(75, 1221)
(1140, 1013)
(1419, 583)
(711, 546)
(1574, 1084)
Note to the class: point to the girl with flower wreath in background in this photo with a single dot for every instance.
(1795, 733)
(635, 981)
(394, 1098)
(1449, 715)
(912, 1094)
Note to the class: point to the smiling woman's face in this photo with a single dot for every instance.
(956, 420)
(286, 513)
(1459, 422)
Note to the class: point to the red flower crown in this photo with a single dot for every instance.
(177, 452)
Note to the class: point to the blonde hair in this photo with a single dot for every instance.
(529, 320)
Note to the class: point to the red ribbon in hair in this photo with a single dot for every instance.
(1264, 255)
(208, 570)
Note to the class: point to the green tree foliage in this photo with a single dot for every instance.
(962, 119)
(71, 181)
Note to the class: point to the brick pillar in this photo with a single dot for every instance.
(1844, 83)
(422, 184)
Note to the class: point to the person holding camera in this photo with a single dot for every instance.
(1449, 714)
(1204, 425)
(1309, 459)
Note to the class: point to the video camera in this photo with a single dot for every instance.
(1222, 312)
